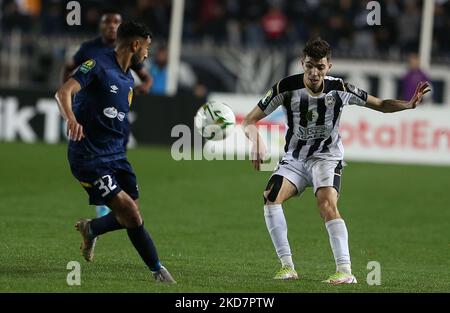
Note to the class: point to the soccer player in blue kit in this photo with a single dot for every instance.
(96, 127)
(109, 23)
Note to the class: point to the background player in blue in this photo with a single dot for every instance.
(96, 127)
(109, 22)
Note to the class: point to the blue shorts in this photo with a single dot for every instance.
(102, 181)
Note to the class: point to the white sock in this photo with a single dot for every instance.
(337, 232)
(286, 261)
(277, 227)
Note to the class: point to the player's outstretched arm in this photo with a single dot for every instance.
(67, 70)
(64, 99)
(390, 106)
(251, 131)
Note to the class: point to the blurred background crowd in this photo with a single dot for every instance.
(253, 23)
(262, 25)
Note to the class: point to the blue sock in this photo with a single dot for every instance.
(143, 243)
(101, 210)
(103, 225)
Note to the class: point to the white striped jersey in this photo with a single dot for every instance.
(313, 121)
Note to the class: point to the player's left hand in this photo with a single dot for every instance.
(421, 90)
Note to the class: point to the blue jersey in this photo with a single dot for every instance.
(90, 49)
(101, 107)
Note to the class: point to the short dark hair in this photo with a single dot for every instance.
(129, 30)
(317, 49)
(107, 11)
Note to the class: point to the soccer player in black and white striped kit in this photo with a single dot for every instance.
(314, 153)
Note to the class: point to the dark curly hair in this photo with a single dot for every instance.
(129, 30)
(317, 49)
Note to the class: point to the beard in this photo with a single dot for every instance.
(136, 59)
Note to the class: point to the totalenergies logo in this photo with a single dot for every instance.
(415, 134)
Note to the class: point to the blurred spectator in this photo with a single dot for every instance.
(414, 76)
(13, 18)
(212, 21)
(364, 41)
(274, 24)
(442, 26)
(187, 80)
(155, 14)
(51, 19)
(158, 70)
(408, 26)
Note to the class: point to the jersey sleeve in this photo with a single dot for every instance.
(79, 56)
(86, 72)
(353, 95)
(272, 100)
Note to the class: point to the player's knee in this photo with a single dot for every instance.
(272, 193)
(326, 205)
(134, 220)
(127, 211)
(328, 209)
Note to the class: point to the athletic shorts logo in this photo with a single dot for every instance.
(87, 66)
(110, 112)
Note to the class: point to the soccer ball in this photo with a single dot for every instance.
(214, 120)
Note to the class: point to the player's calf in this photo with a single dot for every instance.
(327, 203)
(126, 210)
(128, 214)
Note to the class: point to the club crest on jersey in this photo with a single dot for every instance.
(267, 97)
(330, 100)
(121, 116)
(130, 96)
(312, 116)
(87, 66)
(110, 112)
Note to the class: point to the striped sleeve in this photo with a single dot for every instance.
(353, 95)
(272, 100)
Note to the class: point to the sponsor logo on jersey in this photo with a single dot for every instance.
(87, 66)
(312, 132)
(110, 112)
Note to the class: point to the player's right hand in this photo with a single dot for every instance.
(74, 130)
(257, 155)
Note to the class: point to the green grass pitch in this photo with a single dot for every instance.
(206, 218)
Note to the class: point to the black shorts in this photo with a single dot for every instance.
(102, 181)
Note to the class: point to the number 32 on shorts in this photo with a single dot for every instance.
(105, 185)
